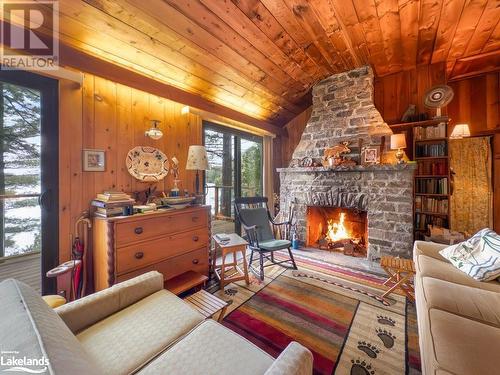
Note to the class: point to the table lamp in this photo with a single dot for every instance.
(460, 131)
(197, 161)
(398, 142)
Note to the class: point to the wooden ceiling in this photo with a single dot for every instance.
(261, 57)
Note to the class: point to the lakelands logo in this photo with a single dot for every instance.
(12, 361)
(30, 35)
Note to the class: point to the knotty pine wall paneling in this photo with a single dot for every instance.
(109, 116)
(395, 92)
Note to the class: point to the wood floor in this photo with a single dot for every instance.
(26, 269)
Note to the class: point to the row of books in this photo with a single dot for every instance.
(427, 167)
(431, 185)
(423, 220)
(430, 150)
(430, 132)
(433, 205)
(113, 203)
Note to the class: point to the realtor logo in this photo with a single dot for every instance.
(12, 361)
(30, 35)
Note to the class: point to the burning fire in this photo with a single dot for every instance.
(337, 231)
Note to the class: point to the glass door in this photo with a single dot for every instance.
(235, 160)
(28, 177)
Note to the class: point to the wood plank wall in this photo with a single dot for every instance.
(395, 92)
(109, 116)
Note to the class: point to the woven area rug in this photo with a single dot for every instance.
(334, 311)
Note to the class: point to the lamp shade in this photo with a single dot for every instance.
(460, 131)
(197, 158)
(398, 141)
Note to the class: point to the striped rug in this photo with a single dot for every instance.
(334, 311)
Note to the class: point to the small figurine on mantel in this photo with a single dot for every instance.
(334, 156)
(175, 192)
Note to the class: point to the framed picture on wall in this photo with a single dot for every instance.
(94, 160)
(370, 155)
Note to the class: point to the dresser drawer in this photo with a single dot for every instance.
(139, 255)
(196, 260)
(147, 228)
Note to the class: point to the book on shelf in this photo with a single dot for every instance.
(430, 132)
(431, 205)
(431, 167)
(422, 221)
(431, 150)
(431, 185)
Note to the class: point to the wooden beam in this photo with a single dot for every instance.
(475, 65)
(73, 58)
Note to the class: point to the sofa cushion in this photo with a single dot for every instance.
(31, 328)
(462, 346)
(86, 311)
(478, 257)
(273, 245)
(472, 303)
(124, 341)
(211, 349)
(429, 267)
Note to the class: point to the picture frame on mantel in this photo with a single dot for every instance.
(93, 160)
(370, 155)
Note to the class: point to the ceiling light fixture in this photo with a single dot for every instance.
(154, 132)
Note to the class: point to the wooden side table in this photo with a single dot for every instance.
(207, 304)
(400, 272)
(232, 246)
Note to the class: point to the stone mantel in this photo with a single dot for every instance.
(357, 168)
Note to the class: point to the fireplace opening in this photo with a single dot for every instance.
(337, 229)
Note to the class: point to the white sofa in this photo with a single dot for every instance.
(133, 327)
(458, 317)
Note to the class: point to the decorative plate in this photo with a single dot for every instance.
(177, 200)
(438, 96)
(147, 164)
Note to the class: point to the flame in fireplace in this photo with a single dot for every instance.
(337, 231)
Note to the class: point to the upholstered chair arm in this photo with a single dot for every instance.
(294, 360)
(88, 310)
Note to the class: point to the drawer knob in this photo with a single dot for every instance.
(196, 238)
(139, 255)
(196, 261)
(138, 230)
(195, 218)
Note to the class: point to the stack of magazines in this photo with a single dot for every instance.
(113, 203)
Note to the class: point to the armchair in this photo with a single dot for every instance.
(256, 220)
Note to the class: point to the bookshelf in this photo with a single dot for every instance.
(432, 177)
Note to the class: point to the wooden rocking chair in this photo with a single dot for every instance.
(254, 215)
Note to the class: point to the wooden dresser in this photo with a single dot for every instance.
(171, 242)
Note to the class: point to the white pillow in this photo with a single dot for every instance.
(478, 257)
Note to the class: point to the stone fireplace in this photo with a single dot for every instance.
(376, 200)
